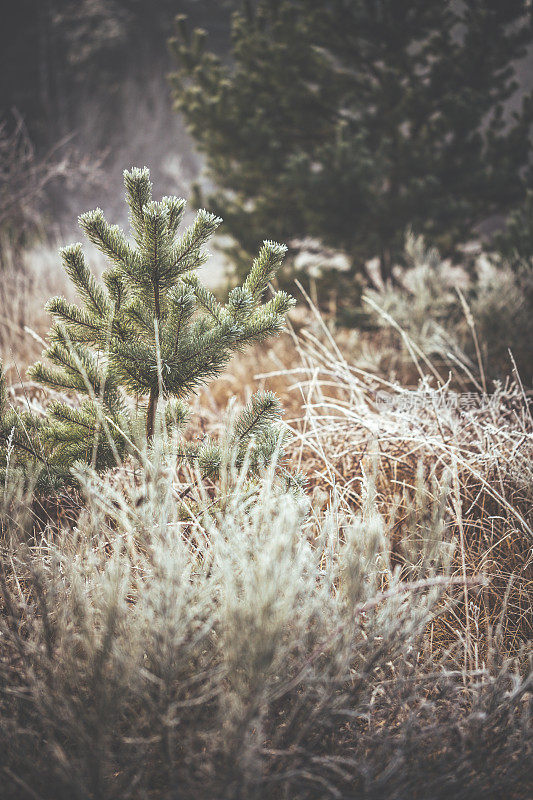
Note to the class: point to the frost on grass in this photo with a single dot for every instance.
(258, 650)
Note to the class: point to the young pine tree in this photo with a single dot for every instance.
(350, 120)
(149, 332)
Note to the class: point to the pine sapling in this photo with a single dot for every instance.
(146, 337)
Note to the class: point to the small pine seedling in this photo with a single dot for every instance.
(149, 333)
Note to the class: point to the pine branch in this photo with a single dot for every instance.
(264, 269)
(14, 441)
(280, 304)
(69, 420)
(109, 239)
(153, 250)
(55, 379)
(260, 328)
(263, 409)
(88, 289)
(177, 413)
(181, 307)
(240, 304)
(140, 317)
(205, 298)
(187, 254)
(176, 208)
(81, 325)
(138, 195)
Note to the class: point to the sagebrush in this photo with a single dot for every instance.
(261, 651)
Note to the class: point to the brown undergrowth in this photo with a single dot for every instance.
(476, 448)
(350, 424)
(269, 650)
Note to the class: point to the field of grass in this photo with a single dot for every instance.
(163, 638)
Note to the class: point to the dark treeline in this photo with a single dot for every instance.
(387, 118)
(87, 80)
(57, 54)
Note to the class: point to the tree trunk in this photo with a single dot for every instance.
(150, 416)
(386, 265)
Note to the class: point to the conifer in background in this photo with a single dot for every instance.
(351, 120)
(515, 241)
(149, 332)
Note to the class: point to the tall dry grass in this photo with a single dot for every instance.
(260, 648)
(475, 448)
(162, 639)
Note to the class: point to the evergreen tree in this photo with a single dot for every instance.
(350, 120)
(149, 331)
(515, 241)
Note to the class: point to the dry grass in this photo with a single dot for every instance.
(146, 647)
(26, 283)
(350, 423)
(255, 650)
(356, 424)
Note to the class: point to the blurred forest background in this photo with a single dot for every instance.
(338, 128)
(84, 82)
